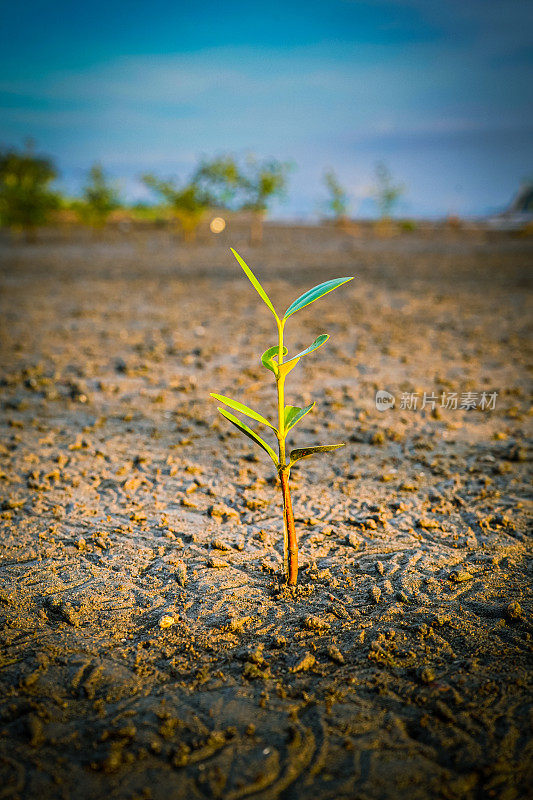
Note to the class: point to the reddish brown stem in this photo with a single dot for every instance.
(291, 532)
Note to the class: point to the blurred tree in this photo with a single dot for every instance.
(99, 198)
(223, 182)
(188, 203)
(338, 202)
(219, 180)
(25, 195)
(261, 182)
(386, 192)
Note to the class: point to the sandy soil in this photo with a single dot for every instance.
(149, 648)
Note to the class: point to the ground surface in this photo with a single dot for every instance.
(149, 647)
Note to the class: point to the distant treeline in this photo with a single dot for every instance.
(223, 184)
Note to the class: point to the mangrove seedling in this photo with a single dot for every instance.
(274, 359)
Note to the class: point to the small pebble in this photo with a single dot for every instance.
(217, 563)
(167, 620)
(353, 540)
(181, 574)
(427, 675)
(513, 610)
(459, 577)
(219, 544)
(316, 624)
(335, 654)
(305, 663)
(376, 594)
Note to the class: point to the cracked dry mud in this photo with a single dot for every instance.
(149, 649)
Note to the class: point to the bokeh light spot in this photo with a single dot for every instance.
(217, 225)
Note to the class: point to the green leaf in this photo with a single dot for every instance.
(319, 341)
(255, 283)
(267, 359)
(243, 409)
(294, 414)
(305, 452)
(250, 433)
(314, 294)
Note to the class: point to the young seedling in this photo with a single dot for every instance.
(288, 416)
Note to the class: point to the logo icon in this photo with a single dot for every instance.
(384, 400)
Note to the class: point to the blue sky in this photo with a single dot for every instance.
(440, 91)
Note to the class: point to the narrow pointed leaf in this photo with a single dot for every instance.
(305, 452)
(319, 341)
(243, 409)
(255, 283)
(314, 294)
(269, 358)
(294, 414)
(250, 433)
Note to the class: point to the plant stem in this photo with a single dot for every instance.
(290, 543)
(280, 382)
(289, 531)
